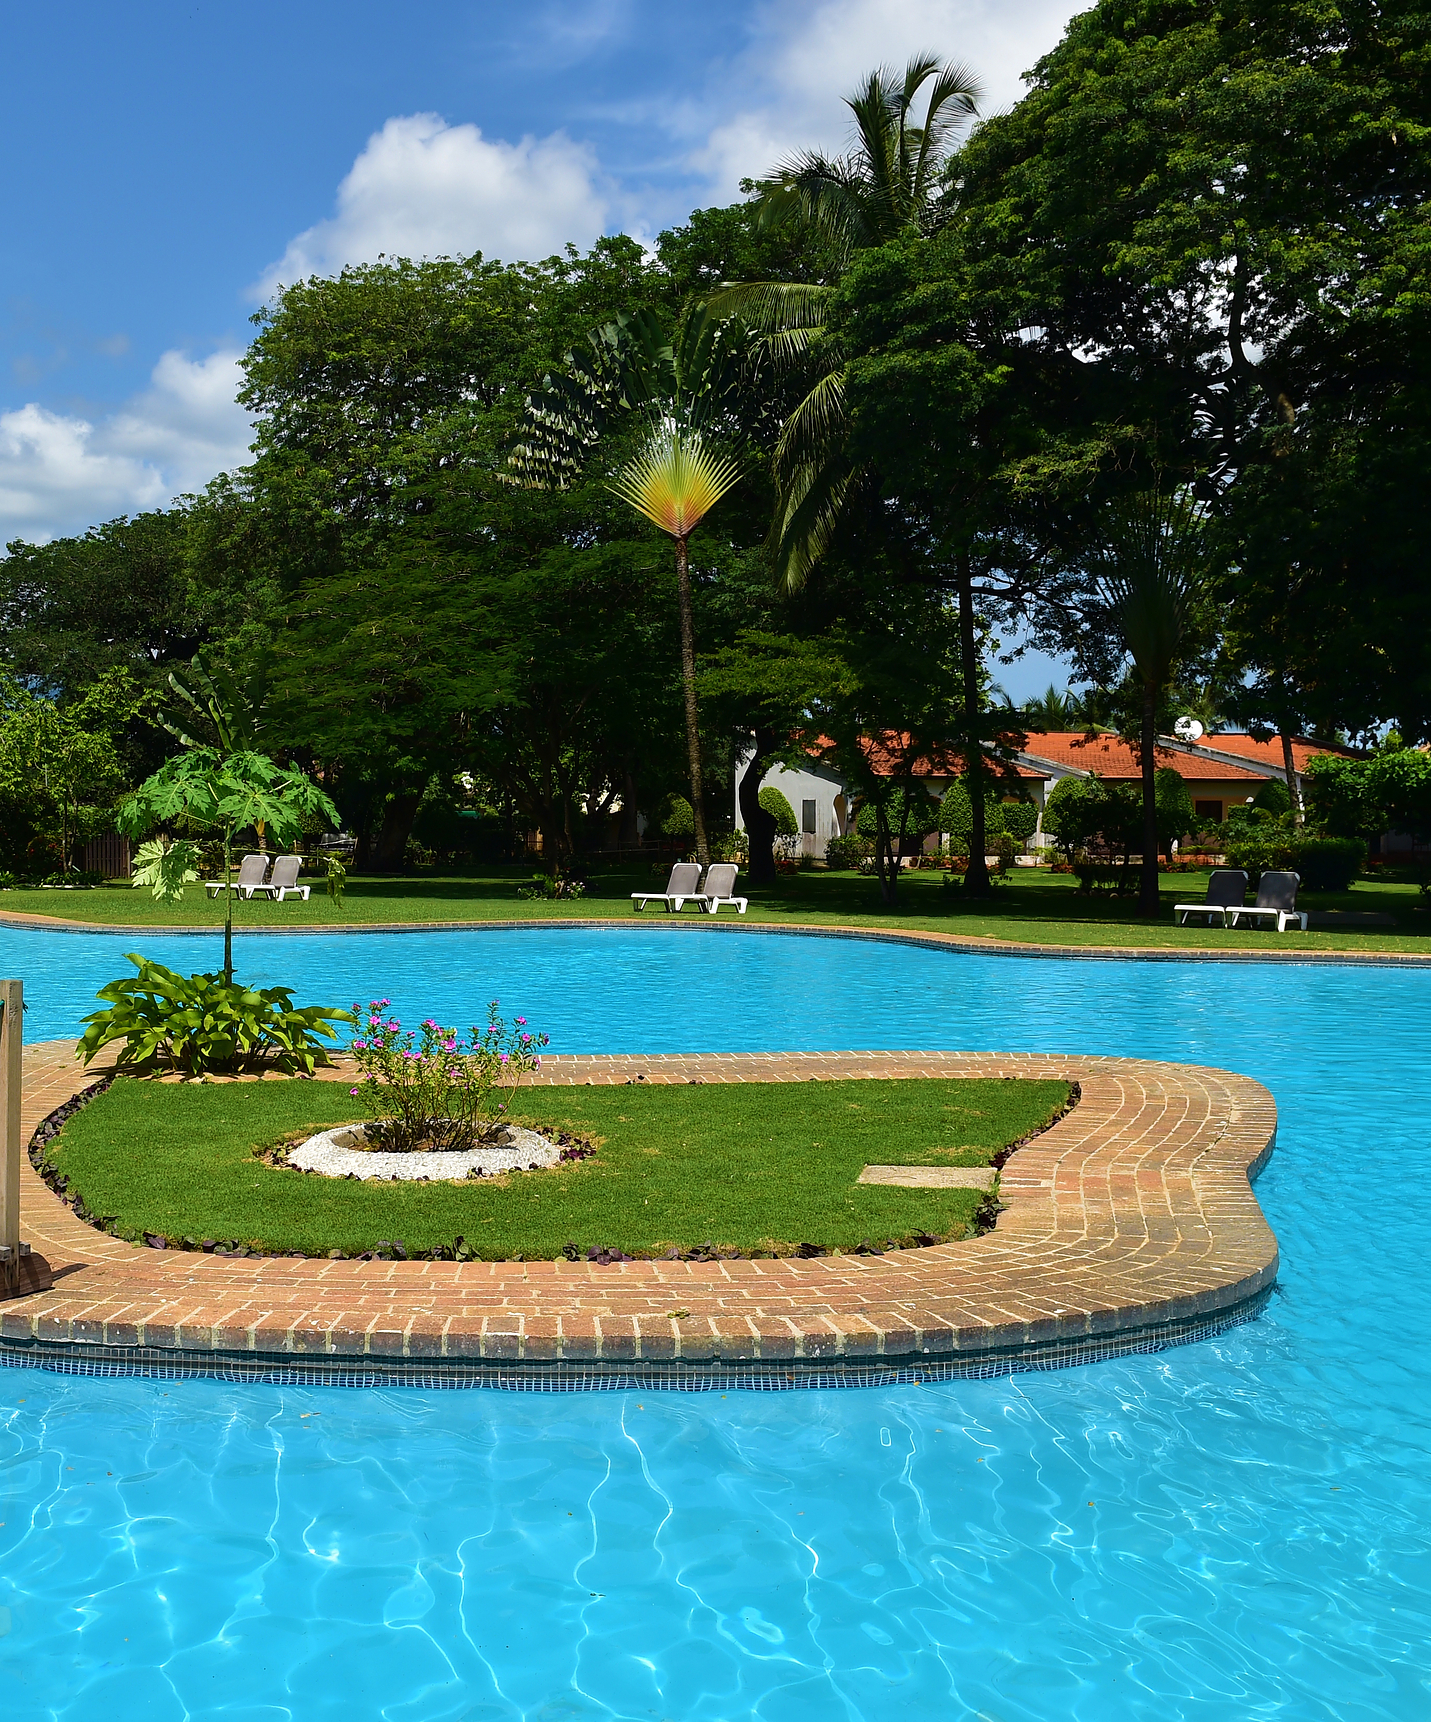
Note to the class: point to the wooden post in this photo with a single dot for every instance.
(12, 1037)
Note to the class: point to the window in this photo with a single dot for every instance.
(807, 817)
(1208, 809)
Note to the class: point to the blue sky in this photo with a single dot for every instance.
(171, 162)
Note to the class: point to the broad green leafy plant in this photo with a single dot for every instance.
(207, 1024)
(226, 793)
(166, 867)
(431, 1089)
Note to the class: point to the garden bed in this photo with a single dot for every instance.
(696, 1170)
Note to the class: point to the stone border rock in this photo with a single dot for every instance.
(1132, 1213)
(331, 1154)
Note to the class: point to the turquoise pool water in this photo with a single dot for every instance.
(1236, 1529)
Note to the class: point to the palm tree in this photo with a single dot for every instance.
(689, 385)
(675, 480)
(1149, 566)
(892, 180)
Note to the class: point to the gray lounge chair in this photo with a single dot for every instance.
(1277, 897)
(720, 883)
(285, 879)
(681, 888)
(1226, 889)
(250, 878)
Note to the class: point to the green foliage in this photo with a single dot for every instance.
(1020, 819)
(956, 815)
(1083, 810)
(1174, 804)
(205, 1024)
(430, 1088)
(1221, 208)
(777, 805)
(674, 818)
(226, 793)
(166, 867)
(335, 880)
(1325, 863)
(120, 597)
(909, 811)
(1015, 819)
(552, 888)
(844, 854)
(1273, 798)
(60, 768)
(1388, 791)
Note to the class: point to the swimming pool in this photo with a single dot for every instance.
(1231, 1529)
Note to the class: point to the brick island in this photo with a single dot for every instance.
(1129, 1224)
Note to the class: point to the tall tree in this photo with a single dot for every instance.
(687, 390)
(894, 180)
(1151, 561)
(1219, 206)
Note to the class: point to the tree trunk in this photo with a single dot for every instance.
(1148, 885)
(688, 677)
(387, 851)
(759, 825)
(630, 833)
(886, 862)
(228, 905)
(1289, 765)
(976, 878)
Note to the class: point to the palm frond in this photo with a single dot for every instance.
(953, 102)
(1150, 563)
(809, 517)
(814, 431)
(676, 479)
(772, 307)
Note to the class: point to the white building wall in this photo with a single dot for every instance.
(809, 784)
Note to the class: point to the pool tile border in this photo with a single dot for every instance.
(1130, 1224)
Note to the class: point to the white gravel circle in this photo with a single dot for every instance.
(332, 1152)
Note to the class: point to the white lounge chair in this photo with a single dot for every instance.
(250, 878)
(720, 883)
(1277, 897)
(681, 888)
(285, 879)
(1226, 889)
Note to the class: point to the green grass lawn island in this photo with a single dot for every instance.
(760, 1168)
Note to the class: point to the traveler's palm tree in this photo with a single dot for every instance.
(675, 481)
(689, 386)
(893, 179)
(1150, 566)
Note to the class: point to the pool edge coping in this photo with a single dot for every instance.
(1130, 1224)
(971, 944)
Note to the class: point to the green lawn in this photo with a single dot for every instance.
(755, 1167)
(1031, 904)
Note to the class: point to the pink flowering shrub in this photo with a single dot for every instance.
(430, 1088)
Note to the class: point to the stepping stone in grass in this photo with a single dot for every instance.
(931, 1177)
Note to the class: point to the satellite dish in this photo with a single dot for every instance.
(1187, 729)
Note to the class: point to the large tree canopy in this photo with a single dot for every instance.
(1222, 208)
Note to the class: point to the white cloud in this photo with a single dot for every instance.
(784, 91)
(60, 473)
(423, 188)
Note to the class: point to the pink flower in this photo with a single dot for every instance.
(503, 1057)
(520, 1020)
(352, 1091)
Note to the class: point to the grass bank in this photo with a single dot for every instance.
(757, 1167)
(1031, 905)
